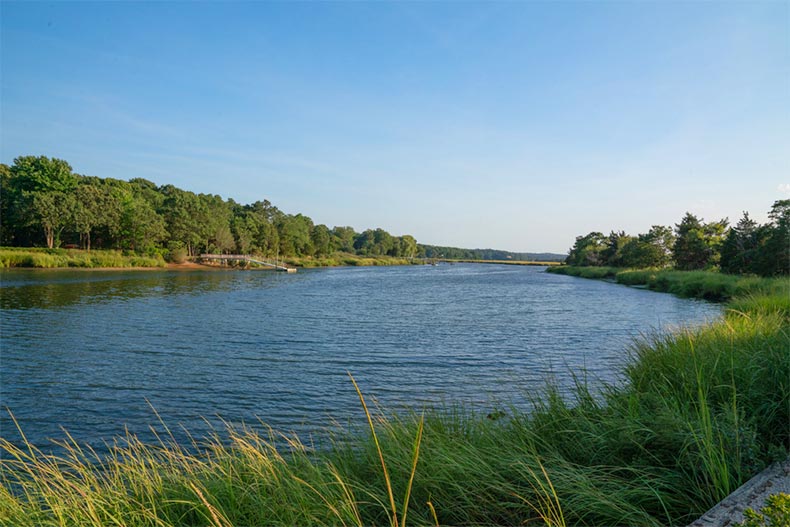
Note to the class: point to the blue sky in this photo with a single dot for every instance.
(514, 125)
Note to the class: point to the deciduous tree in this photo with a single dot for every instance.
(53, 210)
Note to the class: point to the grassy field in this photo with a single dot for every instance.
(700, 412)
(51, 258)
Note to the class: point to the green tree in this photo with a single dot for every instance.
(43, 174)
(773, 256)
(321, 239)
(53, 211)
(92, 208)
(294, 235)
(242, 232)
(140, 227)
(407, 246)
(652, 249)
(364, 242)
(698, 244)
(740, 246)
(268, 239)
(26, 178)
(181, 211)
(213, 221)
(255, 228)
(612, 253)
(715, 233)
(8, 225)
(147, 190)
(343, 238)
(223, 239)
(384, 243)
(662, 238)
(587, 250)
(376, 242)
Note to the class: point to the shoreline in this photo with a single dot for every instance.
(187, 266)
(183, 267)
(506, 262)
(301, 263)
(110, 260)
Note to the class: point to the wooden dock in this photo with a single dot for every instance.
(249, 259)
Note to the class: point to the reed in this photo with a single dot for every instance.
(708, 285)
(345, 259)
(585, 272)
(53, 258)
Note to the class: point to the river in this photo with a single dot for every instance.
(94, 351)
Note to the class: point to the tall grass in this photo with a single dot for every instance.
(504, 262)
(52, 258)
(345, 259)
(709, 285)
(585, 272)
(700, 412)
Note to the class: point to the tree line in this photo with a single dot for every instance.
(44, 203)
(746, 248)
(457, 253)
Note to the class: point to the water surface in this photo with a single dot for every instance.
(89, 350)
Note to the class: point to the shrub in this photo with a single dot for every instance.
(177, 253)
(775, 513)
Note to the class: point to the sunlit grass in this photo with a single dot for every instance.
(52, 258)
(345, 259)
(709, 285)
(506, 262)
(585, 272)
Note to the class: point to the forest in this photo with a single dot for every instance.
(693, 244)
(45, 204)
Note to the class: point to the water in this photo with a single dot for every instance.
(94, 351)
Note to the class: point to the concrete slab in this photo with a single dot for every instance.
(751, 495)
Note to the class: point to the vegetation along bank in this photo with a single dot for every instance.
(43, 203)
(693, 244)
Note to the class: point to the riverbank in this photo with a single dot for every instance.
(699, 412)
(707, 285)
(101, 259)
(346, 260)
(506, 262)
(72, 258)
(42, 258)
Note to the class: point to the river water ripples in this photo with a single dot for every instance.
(89, 350)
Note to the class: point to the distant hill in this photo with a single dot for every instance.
(456, 253)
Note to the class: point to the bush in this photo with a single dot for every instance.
(775, 513)
(177, 253)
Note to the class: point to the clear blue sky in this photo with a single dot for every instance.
(513, 125)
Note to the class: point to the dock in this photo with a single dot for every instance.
(224, 258)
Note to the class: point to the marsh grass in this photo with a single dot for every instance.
(506, 262)
(700, 412)
(341, 259)
(585, 272)
(708, 285)
(53, 258)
